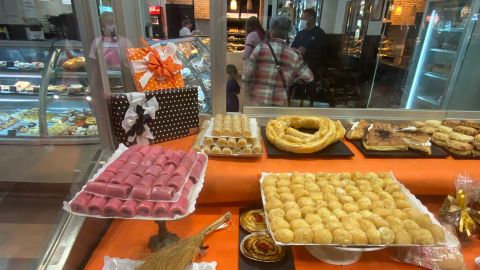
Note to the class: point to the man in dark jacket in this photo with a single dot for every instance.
(309, 40)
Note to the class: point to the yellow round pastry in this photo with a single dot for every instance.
(437, 232)
(311, 218)
(316, 196)
(279, 223)
(346, 199)
(383, 212)
(422, 237)
(398, 195)
(339, 213)
(283, 183)
(395, 223)
(324, 212)
(399, 214)
(351, 207)
(308, 209)
(356, 216)
(293, 214)
(372, 196)
(287, 197)
(356, 195)
(374, 236)
(388, 236)
(350, 223)
(303, 235)
(378, 221)
(282, 132)
(332, 205)
(358, 237)
(364, 203)
(377, 204)
(366, 225)
(281, 190)
(366, 214)
(276, 212)
(330, 197)
(402, 204)
(304, 201)
(222, 141)
(312, 187)
(295, 187)
(402, 237)
(345, 175)
(332, 226)
(273, 204)
(327, 188)
(270, 180)
(410, 225)
(290, 205)
(299, 223)
(342, 237)
(299, 193)
(321, 204)
(284, 235)
(297, 178)
(317, 226)
(272, 196)
(423, 221)
(323, 237)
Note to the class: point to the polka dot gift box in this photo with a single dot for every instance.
(155, 116)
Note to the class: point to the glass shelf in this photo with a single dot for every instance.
(436, 76)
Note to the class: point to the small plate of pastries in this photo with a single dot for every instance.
(253, 221)
(396, 140)
(460, 138)
(357, 210)
(229, 135)
(305, 136)
(261, 247)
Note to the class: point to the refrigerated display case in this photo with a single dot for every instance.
(194, 52)
(44, 93)
(440, 51)
(356, 26)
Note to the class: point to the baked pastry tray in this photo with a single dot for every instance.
(192, 196)
(336, 150)
(449, 241)
(437, 152)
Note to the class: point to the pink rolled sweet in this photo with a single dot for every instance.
(96, 187)
(169, 154)
(162, 180)
(131, 180)
(189, 159)
(119, 178)
(141, 193)
(112, 207)
(115, 166)
(144, 150)
(135, 158)
(80, 203)
(179, 208)
(202, 159)
(125, 155)
(104, 177)
(147, 180)
(162, 193)
(135, 148)
(141, 170)
(154, 171)
(161, 161)
(118, 191)
(182, 171)
(149, 159)
(145, 208)
(128, 168)
(169, 169)
(175, 159)
(196, 172)
(156, 150)
(161, 209)
(176, 182)
(95, 205)
(128, 209)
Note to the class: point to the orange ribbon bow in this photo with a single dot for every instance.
(160, 68)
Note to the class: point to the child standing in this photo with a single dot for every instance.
(233, 89)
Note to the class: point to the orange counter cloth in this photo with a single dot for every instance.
(129, 239)
(236, 179)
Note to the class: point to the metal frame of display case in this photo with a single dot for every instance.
(421, 53)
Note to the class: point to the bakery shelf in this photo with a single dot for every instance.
(451, 52)
(451, 29)
(236, 34)
(83, 74)
(21, 73)
(436, 76)
(429, 100)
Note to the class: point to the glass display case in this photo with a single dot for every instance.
(446, 28)
(194, 52)
(356, 25)
(44, 92)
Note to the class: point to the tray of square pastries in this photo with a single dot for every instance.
(230, 135)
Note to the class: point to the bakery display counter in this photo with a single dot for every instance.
(129, 238)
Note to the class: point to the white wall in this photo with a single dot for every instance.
(333, 13)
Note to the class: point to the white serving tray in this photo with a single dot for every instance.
(449, 241)
(192, 196)
(253, 128)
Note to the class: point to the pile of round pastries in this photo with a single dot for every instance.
(344, 209)
(458, 137)
(284, 134)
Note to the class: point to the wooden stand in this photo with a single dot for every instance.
(162, 238)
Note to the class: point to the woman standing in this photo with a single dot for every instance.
(255, 34)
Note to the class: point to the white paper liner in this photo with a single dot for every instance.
(411, 198)
(127, 264)
(253, 128)
(122, 149)
(192, 199)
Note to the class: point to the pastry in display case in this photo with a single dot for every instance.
(44, 91)
(357, 19)
(438, 53)
(194, 53)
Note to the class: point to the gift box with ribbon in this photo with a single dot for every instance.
(155, 116)
(462, 210)
(156, 67)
